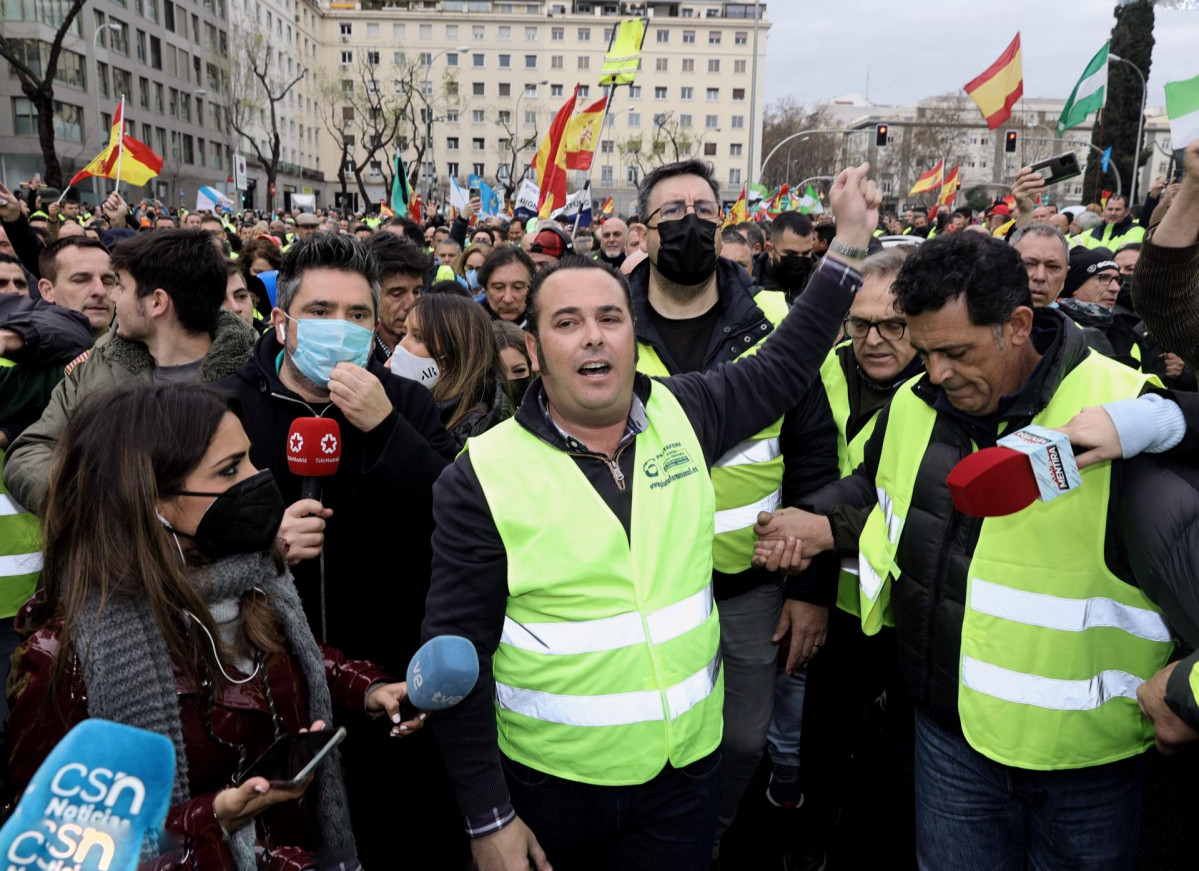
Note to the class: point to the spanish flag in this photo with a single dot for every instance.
(582, 134)
(385, 210)
(950, 189)
(736, 214)
(931, 180)
(607, 208)
(624, 53)
(550, 161)
(999, 86)
(125, 159)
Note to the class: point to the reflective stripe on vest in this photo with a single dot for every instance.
(1053, 645)
(748, 479)
(608, 667)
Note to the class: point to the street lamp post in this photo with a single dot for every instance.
(426, 93)
(116, 28)
(1136, 158)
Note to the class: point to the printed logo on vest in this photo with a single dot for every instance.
(671, 464)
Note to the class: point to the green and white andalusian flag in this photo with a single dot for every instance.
(1182, 107)
(1088, 95)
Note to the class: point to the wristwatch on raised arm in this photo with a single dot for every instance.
(849, 251)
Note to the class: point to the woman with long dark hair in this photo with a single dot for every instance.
(450, 348)
(166, 605)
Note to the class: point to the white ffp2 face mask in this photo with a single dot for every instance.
(407, 365)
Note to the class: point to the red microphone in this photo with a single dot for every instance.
(313, 452)
(1030, 464)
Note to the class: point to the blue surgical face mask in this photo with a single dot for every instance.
(472, 279)
(322, 343)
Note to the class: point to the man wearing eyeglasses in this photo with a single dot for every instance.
(859, 378)
(694, 312)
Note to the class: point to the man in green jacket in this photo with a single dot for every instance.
(170, 327)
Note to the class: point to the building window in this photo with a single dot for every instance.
(713, 37)
(714, 65)
(478, 89)
(451, 169)
(584, 34)
(505, 33)
(584, 62)
(584, 91)
(555, 90)
(477, 168)
(451, 89)
(478, 116)
(476, 61)
(505, 61)
(635, 92)
(530, 34)
(663, 36)
(713, 94)
(451, 31)
(661, 64)
(607, 146)
(505, 89)
(688, 64)
(531, 91)
(684, 120)
(659, 93)
(711, 122)
(372, 58)
(606, 174)
(504, 116)
(738, 122)
(530, 61)
(556, 62)
(687, 93)
(739, 66)
(346, 28)
(735, 176)
(478, 143)
(451, 116)
(632, 176)
(735, 149)
(451, 59)
(530, 116)
(738, 95)
(688, 37)
(398, 31)
(741, 37)
(557, 34)
(709, 149)
(477, 31)
(634, 119)
(347, 58)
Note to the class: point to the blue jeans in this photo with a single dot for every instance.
(782, 740)
(664, 824)
(972, 812)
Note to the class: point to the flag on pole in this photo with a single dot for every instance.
(997, 88)
(401, 191)
(736, 214)
(489, 203)
(1088, 95)
(809, 203)
(756, 193)
(582, 134)
(550, 161)
(1105, 159)
(949, 190)
(415, 209)
(624, 53)
(607, 208)
(385, 210)
(139, 163)
(931, 180)
(1182, 108)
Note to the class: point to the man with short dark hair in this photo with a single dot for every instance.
(12, 276)
(788, 260)
(1119, 227)
(168, 293)
(402, 268)
(735, 247)
(316, 361)
(1025, 697)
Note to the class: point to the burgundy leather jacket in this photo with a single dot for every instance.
(286, 833)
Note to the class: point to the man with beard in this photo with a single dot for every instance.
(613, 234)
(693, 312)
(789, 255)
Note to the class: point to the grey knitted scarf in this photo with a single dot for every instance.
(125, 642)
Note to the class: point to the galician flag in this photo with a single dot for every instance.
(1182, 107)
(1088, 95)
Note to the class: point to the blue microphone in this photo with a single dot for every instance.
(103, 790)
(442, 673)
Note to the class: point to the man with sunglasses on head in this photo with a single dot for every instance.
(695, 311)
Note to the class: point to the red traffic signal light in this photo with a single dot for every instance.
(1009, 144)
(880, 135)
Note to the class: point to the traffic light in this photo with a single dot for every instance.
(1009, 144)
(880, 135)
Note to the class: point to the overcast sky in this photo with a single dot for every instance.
(819, 50)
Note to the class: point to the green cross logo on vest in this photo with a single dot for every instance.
(1054, 644)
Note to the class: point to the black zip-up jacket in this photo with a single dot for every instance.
(937, 543)
(377, 551)
(470, 573)
(809, 435)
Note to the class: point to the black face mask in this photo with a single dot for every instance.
(518, 386)
(243, 519)
(791, 271)
(1125, 296)
(687, 253)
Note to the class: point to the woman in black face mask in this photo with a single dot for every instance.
(165, 605)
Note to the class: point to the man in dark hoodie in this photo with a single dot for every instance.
(358, 594)
(788, 261)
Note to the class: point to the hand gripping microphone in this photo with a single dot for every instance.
(313, 452)
(1031, 463)
(442, 673)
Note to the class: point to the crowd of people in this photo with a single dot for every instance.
(682, 484)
